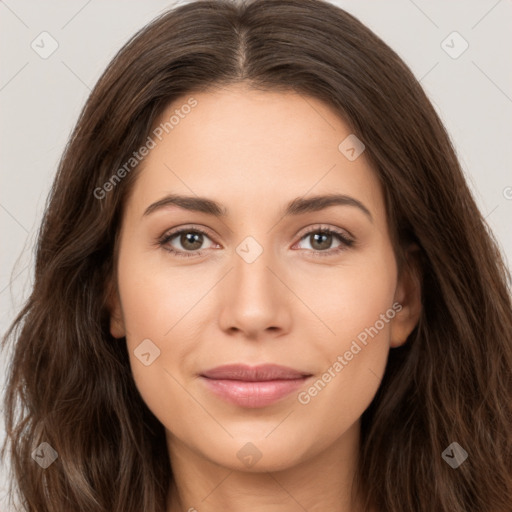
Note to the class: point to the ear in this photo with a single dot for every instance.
(117, 327)
(408, 295)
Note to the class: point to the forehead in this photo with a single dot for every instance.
(241, 146)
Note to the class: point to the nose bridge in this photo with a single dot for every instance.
(251, 263)
(254, 300)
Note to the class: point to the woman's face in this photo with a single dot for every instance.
(262, 285)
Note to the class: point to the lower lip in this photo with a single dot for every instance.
(253, 394)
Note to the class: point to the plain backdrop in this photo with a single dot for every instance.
(40, 99)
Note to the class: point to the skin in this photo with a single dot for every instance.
(253, 152)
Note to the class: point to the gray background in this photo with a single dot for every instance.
(40, 100)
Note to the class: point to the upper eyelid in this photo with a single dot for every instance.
(323, 227)
(171, 233)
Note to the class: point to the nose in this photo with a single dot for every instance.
(255, 300)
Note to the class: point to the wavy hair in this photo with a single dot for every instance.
(69, 382)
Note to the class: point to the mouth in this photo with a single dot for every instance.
(253, 387)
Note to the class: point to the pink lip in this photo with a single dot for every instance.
(255, 386)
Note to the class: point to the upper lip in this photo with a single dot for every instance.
(257, 373)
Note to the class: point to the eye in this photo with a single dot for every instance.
(190, 240)
(321, 239)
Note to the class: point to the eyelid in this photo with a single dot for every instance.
(313, 228)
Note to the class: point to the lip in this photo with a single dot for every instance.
(253, 386)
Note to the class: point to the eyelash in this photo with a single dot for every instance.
(346, 242)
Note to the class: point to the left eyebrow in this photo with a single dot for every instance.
(297, 206)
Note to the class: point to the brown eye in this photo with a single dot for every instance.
(191, 240)
(321, 241)
(185, 242)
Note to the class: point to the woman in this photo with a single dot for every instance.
(262, 284)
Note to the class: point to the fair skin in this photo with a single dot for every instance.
(299, 304)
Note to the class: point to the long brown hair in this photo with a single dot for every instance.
(70, 383)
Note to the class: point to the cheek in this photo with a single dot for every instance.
(155, 296)
(147, 304)
(159, 304)
(351, 297)
(357, 306)
(157, 345)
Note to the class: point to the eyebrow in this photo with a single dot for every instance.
(297, 206)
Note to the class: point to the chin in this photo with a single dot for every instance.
(258, 455)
